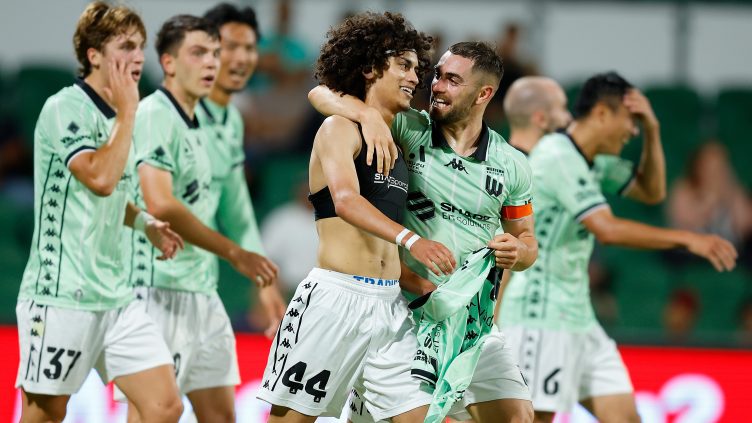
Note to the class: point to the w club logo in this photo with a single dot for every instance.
(493, 186)
(456, 165)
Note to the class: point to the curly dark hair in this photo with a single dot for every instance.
(366, 41)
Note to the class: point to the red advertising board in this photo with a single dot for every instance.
(673, 385)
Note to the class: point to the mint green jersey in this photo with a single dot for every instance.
(459, 201)
(451, 333)
(233, 210)
(76, 259)
(167, 139)
(554, 293)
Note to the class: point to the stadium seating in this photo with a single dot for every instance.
(33, 85)
(734, 116)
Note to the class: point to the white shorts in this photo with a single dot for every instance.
(198, 334)
(564, 367)
(60, 346)
(496, 377)
(343, 331)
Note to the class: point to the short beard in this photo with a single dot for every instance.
(458, 113)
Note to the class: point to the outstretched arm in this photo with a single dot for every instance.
(612, 230)
(156, 185)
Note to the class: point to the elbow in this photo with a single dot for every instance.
(656, 198)
(605, 236)
(343, 208)
(101, 188)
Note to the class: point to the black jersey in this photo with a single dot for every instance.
(388, 194)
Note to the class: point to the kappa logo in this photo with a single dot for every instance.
(456, 165)
(494, 186)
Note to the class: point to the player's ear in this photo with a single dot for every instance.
(368, 73)
(168, 64)
(539, 119)
(485, 94)
(95, 57)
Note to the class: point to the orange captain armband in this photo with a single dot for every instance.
(516, 212)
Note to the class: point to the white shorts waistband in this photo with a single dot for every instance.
(364, 285)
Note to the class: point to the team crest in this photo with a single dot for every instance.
(494, 181)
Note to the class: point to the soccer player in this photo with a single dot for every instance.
(348, 324)
(465, 181)
(176, 178)
(75, 310)
(234, 214)
(564, 353)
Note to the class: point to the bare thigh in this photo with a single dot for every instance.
(619, 408)
(503, 410)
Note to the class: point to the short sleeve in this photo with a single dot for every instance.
(408, 128)
(69, 128)
(614, 173)
(518, 203)
(153, 139)
(567, 178)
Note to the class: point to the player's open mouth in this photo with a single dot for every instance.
(439, 103)
(238, 73)
(208, 80)
(409, 91)
(136, 75)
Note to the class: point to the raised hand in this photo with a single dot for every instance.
(161, 236)
(378, 138)
(639, 105)
(123, 87)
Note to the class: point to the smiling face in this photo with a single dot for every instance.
(454, 89)
(396, 86)
(238, 56)
(195, 64)
(127, 47)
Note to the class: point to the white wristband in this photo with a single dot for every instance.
(413, 239)
(141, 220)
(402, 235)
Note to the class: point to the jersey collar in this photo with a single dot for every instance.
(577, 147)
(192, 124)
(205, 104)
(480, 154)
(102, 105)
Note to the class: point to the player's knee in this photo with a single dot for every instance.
(43, 408)
(633, 417)
(165, 411)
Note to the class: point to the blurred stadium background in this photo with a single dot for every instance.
(691, 58)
